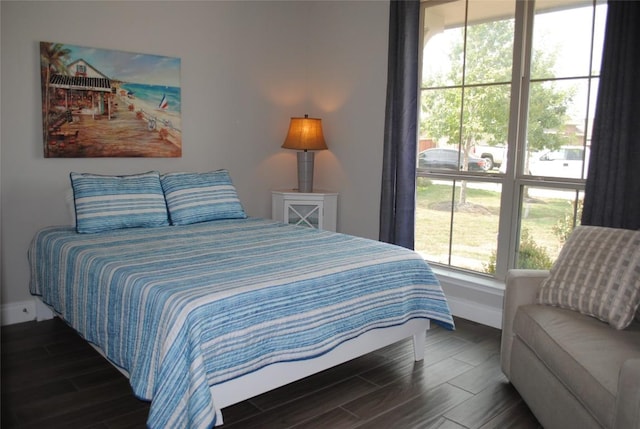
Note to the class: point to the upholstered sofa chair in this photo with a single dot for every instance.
(570, 344)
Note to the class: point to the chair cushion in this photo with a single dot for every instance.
(597, 273)
(584, 353)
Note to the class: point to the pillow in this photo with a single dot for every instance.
(201, 197)
(597, 273)
(104, 203)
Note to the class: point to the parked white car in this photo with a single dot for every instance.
(565, 162)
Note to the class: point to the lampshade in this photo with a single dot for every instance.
(305, 134)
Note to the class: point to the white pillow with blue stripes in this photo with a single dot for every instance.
(104, 203)
(201, 197)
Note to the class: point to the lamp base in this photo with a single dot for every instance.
(305, 171)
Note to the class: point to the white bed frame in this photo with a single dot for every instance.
(280, 374)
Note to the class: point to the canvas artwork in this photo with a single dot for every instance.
(107, 103)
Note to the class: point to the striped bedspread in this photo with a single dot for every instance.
(185, 307)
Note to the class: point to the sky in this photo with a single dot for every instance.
(130, 67)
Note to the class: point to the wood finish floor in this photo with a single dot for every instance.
(51, 378)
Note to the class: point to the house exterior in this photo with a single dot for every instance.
(83, 90)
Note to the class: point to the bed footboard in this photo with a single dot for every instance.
(280, 374)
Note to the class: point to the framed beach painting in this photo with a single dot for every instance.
(108, 103)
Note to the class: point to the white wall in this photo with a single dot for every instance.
(247, 67)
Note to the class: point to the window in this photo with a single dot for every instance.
(507, 101)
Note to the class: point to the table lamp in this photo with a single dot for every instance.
(305, 135)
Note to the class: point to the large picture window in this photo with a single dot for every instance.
(506, 107)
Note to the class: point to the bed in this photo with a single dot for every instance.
(204, 315)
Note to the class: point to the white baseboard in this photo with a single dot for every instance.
(18, 312)
(25, 311)
(474, 298)
(475, 312)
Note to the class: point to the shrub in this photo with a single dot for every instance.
(490, 267)
(565, 226)
(530, 255)
(423, 182)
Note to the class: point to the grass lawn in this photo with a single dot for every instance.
(475, 227)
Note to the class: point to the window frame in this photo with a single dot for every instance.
(513, 181)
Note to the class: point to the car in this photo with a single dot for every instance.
(494, 156)
(448, 159)
(566, 162)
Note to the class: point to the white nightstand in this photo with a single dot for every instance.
(317, 209)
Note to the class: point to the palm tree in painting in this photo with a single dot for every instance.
(53, 57)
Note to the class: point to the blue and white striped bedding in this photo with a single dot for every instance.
(185, 307)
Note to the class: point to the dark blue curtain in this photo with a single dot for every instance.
(397, 203)
(612, 192)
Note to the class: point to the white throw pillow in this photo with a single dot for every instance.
(597, 273)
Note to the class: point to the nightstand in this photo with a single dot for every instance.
(317, 209)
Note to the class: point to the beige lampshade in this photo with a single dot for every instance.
(305, 134)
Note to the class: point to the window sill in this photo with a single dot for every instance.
(491, 285)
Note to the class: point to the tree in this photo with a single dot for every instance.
(52, 59)
(478, 111)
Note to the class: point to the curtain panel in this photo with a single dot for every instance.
(397, 202)
(612, 192)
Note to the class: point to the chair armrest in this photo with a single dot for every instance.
(521, 289)
(628, 397)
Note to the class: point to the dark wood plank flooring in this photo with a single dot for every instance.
(52, 378)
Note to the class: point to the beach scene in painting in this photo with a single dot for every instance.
(106, 103)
